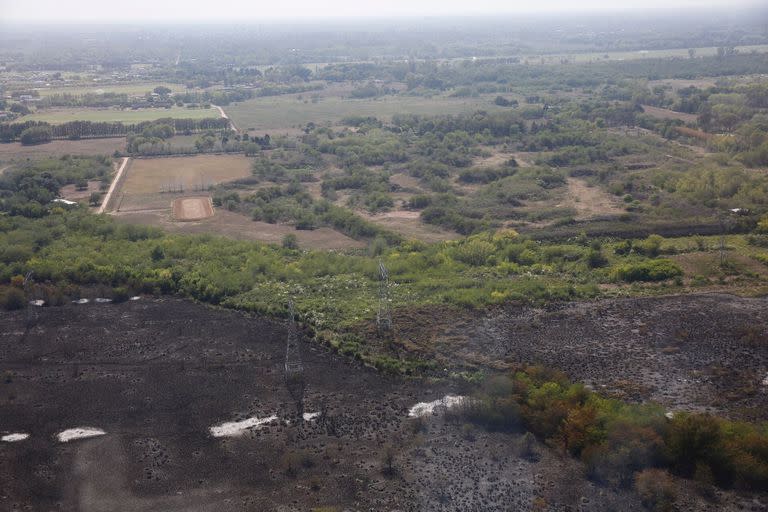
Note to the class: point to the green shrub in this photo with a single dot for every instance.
(12, 298)
(290, 241)
(654, 270)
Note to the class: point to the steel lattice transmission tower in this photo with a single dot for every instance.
(29, 290)
(294, 369)
(384, 316)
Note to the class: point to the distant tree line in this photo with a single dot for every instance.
(35, 132)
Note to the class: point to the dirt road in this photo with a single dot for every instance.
(224, 115)
(114, 185)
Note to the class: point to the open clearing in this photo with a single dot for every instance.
(63, 147)
(663, 113)
(283, 112)
(156, 375)
(150, 176)
(192, 208)
(590, 202)
(133, 88)
(140, 201)
(240, 227)
(64, 115)
(409, 224)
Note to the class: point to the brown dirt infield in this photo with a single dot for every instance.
(192, 208)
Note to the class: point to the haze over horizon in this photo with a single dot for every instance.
(46, 11)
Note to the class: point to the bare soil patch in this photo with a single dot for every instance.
(71, 193)
(406, 182)
(589, 202)
(663, 113)
(408, 223)
(192, 208)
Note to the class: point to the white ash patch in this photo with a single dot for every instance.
(135, 297)
(101, 300)
(81, 301)
(71, 434)
(15, 437)
(309, 416)
(236, 428)
(428, 408)
(765, 380)
(38, 303)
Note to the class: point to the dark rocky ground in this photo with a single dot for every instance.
(157, 373)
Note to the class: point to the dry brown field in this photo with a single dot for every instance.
(663, 113)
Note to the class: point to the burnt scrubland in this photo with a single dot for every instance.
(156, 374)
(574, 230)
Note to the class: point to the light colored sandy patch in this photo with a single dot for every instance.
(524, 159)
(589, 201)
(765, 380)
(405, 181)
(663, 113)
(309, 416)
(135, 297)
(669, 415)
(237, 428)
(71, 193)
(80, 301)
(192, 208)
(497, 159)
(71, 434)
(412, 227)
(14, 438)
(428, 408)
(37, 302)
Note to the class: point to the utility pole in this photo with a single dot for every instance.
(294, 369)
(723, 228)
(28, 296)
(384, 316)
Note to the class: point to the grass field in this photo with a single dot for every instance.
(283, 112)
(63, 115)
(634, 55)
(62, 147)
(128, 88)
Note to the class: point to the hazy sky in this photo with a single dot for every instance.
(252, 10)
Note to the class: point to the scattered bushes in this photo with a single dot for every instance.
(652, 270)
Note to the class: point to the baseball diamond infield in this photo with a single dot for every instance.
(192, 208)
